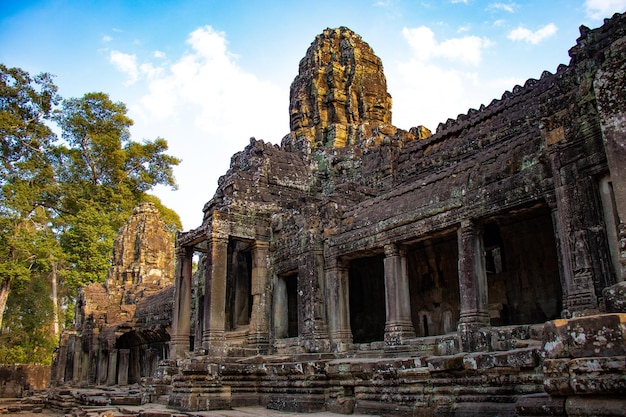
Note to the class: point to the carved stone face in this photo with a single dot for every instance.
(340, 84)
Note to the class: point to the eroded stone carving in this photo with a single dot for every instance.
(121, 327)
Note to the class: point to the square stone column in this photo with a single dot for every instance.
(181, 320)
(258, 338)
(112, 372)
(103, 367)
(609, 86)
(399, 325)
(93, 362)
(473, 288)
(123, 357)
(61, 362)
(213, 340)
(312, 323)
(338, 305)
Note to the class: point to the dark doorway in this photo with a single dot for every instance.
(433, 284)
(522, 268)
(239, 284)
(367, 299)
(292, 306)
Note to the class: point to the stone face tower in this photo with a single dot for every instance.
(340, 94)
(142, 253)
(120, 328)
(143, 260)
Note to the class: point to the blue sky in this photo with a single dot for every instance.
(208, 75)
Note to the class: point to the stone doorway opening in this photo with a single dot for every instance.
(286, 306)
(139, 353)
(432, 267)
(522, 268)
(238, 284)
(367, 299)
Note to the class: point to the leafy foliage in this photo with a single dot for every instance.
(29, 323)
(63, 201)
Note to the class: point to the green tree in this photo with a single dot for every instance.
(63, 202)
(103, 175)
(27, 186)
(29, 320)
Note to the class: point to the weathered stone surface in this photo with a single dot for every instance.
(615, 298)
(17, 380)
(595, 406)
(540, 405)
(123, 322)
(600, 335)
(340, 94)
(357, 269)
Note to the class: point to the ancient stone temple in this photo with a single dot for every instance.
(121, 328)
(358, 267)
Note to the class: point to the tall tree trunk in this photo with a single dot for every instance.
(55, 301)
(5, 288)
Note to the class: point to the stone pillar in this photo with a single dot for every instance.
(134, 365)
(281, 306)
(61, 359)
(399, 325)
(473, 287)
(609, 87)
(338, 305)
(213, 341)
(565, 270)
(78, 359)
(575, 251)
(122, 366)
(312, 323)
(94, 352)
(258, 338)
(103, 368)
(84, 369)
(112, 373)
(181, 320)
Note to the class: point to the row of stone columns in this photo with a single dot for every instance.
(334, 283)
(399, 327)
(213, 337)
(113, 367)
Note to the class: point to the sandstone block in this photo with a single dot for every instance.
(445, 363)
(615, 298)
(540, 405)
(595, 406)
(599, 376)
(479, 361)
(601, 335)
(555, 339)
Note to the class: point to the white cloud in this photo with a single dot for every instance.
(467, 49)
(526, 35)
(106, 38)
(424, 89)
(125, 63)
(507, 7)
(423, 92)
(459, 1)
(600, 9)
(159, 54)
(207, 107)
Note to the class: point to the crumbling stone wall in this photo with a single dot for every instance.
(17, 380)
(121, 328)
